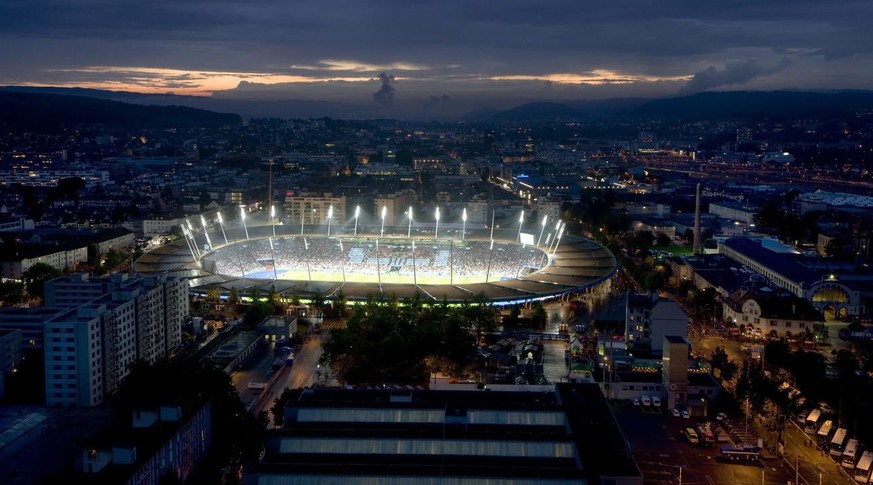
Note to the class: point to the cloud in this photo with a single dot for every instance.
(357, 66)
(385, 94)
(735, 73)
(434, 100)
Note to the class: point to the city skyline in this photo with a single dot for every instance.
(446, 57)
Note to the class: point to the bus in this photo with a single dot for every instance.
(838, 442)
(861, 473)
(824, 432)
(810, 424)
(691, 435)
(851, 453)
(749, 454)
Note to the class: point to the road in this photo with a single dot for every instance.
(797, 444)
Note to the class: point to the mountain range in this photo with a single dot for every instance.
(193, 109)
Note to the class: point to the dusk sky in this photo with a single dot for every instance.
(436, 52)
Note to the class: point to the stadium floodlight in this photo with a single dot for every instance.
(384, 211)
(545, 221)
(559, 227)
(185, 235)
(464, 218)
(558, 239)
(205, 232)
(273, 218)
(436, 232)
(357, 213)
(242, 214)
(221, 224)
(520, 223)
(329, 218)
(409, 231)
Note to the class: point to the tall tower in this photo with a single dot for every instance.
(697, 221)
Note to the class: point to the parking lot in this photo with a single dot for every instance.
(661, 451)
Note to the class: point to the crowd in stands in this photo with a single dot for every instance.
(262, 258)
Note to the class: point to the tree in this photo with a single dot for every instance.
(36, 276)
(540, 317)
(11, 292)
(663, 239)
(257, 312)
(317, 302)
(340, 302)
(233, 297)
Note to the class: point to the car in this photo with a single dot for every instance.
(721, 417)
(636, 401)
(646, 401)
(674, 412)
(656, 401)
(686, 414)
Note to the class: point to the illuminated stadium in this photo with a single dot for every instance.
(454, 265)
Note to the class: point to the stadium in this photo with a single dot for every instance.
(455, 265)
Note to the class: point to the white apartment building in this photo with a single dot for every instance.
(74, 358)
(15, 264)
(314, 209)
(396, 207)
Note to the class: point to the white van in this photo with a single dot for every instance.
(646, 401)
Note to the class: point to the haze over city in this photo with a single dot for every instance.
(436, 58)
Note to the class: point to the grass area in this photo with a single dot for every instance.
(676, 250)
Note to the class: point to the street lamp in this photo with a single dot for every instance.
(520, 222)
(357, 213)
(221, 224)
(545, 221)
(329, 218)
(436, 231)
(384, 211)
(409, 230)
(242, 214)
(464, 218)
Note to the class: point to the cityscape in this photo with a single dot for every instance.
(493, 243)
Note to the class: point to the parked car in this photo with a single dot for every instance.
(721, 416)
(636, 401)
(686, 414)
(656, 401)
(647, 401)
(674, 412)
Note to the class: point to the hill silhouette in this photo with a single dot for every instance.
(48, 112)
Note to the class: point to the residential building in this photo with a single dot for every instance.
(650, 318)
(769, 313)
(15, 263)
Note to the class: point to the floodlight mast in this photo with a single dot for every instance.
(357, 213)
(464, 229)
(520, 223)
(242, 213)
(382, 230)
(436, 232)
(545, 221)
(329, 218)
(221, 224)
(273, 218)
(205, 232)
(409, 230)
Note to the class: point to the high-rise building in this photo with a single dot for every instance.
(396, 207)
(90, 341)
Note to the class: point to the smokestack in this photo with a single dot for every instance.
(697, 222)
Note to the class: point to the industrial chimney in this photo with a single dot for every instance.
(697, 222)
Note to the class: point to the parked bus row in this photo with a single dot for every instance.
(846, 451)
